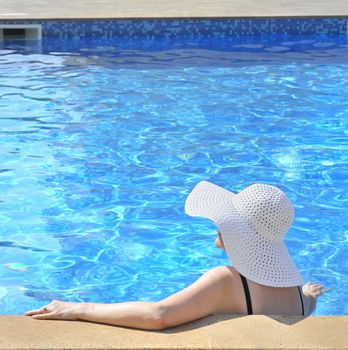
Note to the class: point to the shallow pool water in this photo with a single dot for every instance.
(101, 142)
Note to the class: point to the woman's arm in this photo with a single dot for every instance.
(136, 314)
(202, 298)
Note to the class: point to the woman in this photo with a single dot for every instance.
(264, 278)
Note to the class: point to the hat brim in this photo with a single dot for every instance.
(208, 200)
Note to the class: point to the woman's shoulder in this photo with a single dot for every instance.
(223, 269)
(229, 279)
(225, 273)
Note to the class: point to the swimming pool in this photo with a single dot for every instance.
(102, 140)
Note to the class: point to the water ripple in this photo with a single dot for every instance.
(100, 145)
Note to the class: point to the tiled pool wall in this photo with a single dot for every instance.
(171, 28)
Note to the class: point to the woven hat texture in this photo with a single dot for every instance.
(253, 224)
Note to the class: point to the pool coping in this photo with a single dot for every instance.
(213, 332)
(141, 9)
(71, 19)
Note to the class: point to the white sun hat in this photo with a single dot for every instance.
(253, 224)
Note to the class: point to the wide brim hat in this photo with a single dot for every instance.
(253, 224)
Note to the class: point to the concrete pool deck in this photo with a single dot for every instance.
(82, 9)
(214, 332)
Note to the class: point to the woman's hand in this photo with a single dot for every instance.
(314, 289)
(57, 310)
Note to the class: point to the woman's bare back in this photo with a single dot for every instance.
(269, 300)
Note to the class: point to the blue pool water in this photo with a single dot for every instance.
(101, 142)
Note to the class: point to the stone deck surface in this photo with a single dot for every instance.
(67, 9)
(214, 332)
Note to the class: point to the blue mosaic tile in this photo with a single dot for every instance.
(171, 28)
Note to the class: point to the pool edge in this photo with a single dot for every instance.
(119, 9)
(207, 17)
(213, 332)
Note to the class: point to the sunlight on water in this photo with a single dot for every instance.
(99, 148)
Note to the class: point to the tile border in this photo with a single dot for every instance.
(176, 27)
